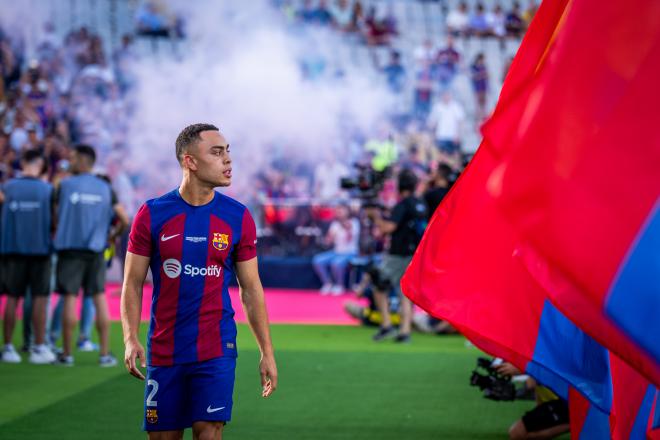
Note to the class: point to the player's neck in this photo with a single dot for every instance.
(195, 194)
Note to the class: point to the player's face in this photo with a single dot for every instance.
(212, 159)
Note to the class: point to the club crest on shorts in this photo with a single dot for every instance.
(152, 415)
(220, 241)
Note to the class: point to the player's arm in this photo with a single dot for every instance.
(385, 226)
(135, 272)
(252, 297)
(122, 221)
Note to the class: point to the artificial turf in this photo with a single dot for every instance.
(335, 383)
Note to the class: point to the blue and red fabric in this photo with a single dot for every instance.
(192, 251)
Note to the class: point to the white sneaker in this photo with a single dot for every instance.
(327, 288)
(41, 354)
(337, 290)
(10, 355)
(107, 360)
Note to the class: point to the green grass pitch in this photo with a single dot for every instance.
(335, 383)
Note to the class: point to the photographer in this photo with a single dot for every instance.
(547, 420)
(405, 227)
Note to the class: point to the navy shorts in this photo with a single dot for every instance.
(177, 396)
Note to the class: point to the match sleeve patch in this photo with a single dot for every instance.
(139, 240)
(246, 249)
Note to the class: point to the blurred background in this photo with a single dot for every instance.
(324, 104)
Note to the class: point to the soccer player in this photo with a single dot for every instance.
(195, 240)
(86, 204)
(26, 246)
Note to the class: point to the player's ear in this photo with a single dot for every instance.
(189, 162)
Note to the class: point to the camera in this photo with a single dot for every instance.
(366, 185)
(494, 385)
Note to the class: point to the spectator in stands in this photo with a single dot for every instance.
(458, 21)
(377, 31)
(307, 12)
(343, 237)
(447, 61)
(447, 119)
(357, 17)
(479, 26)
(497, 24)
(415, 162)
(342, 15)
(514, 22)
(322, 14)
(326, 178)
(423, 93)
(529, 13)
(395, 73)
(479, 76)
(151, 20)
(425, 53)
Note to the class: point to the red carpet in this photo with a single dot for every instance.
(284, 306)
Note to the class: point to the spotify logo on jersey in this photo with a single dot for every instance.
(172, 267)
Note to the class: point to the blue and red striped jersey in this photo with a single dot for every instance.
(193, 251)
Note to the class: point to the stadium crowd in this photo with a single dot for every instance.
(71, 92)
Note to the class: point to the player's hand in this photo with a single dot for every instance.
(268, 371)
(134, 351)
(507, 369)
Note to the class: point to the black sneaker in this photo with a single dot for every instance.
(64, 361)
(402, 338)
(384, 333)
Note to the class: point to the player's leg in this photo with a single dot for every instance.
(211, 396)
(16, 281)
(382, 284)
(68, 322)
(397, 269)
(166, 412)
(40, 289)
(545, 421)
(94, 285)
(87, 319)
(40, 272)
(8, 329)
(102, 321)
(320, 263)
(70, 271)
(165, 435)
(208, 430)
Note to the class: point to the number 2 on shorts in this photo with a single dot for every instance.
(153, 392)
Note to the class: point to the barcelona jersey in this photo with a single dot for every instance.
(193, 251)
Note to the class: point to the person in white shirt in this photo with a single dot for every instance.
(327, 176)
(447, 118)
(458, 21)
(330, 266)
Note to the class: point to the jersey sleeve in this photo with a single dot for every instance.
(246, 249)
(139, 240)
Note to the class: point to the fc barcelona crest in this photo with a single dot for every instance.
(152, 415)
(220, 241)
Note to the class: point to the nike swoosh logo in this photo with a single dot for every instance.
(212, 410)
(165, 238)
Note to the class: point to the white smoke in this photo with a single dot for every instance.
(240, 69)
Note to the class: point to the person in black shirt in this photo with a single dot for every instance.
(405, 226)
(438, 188)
